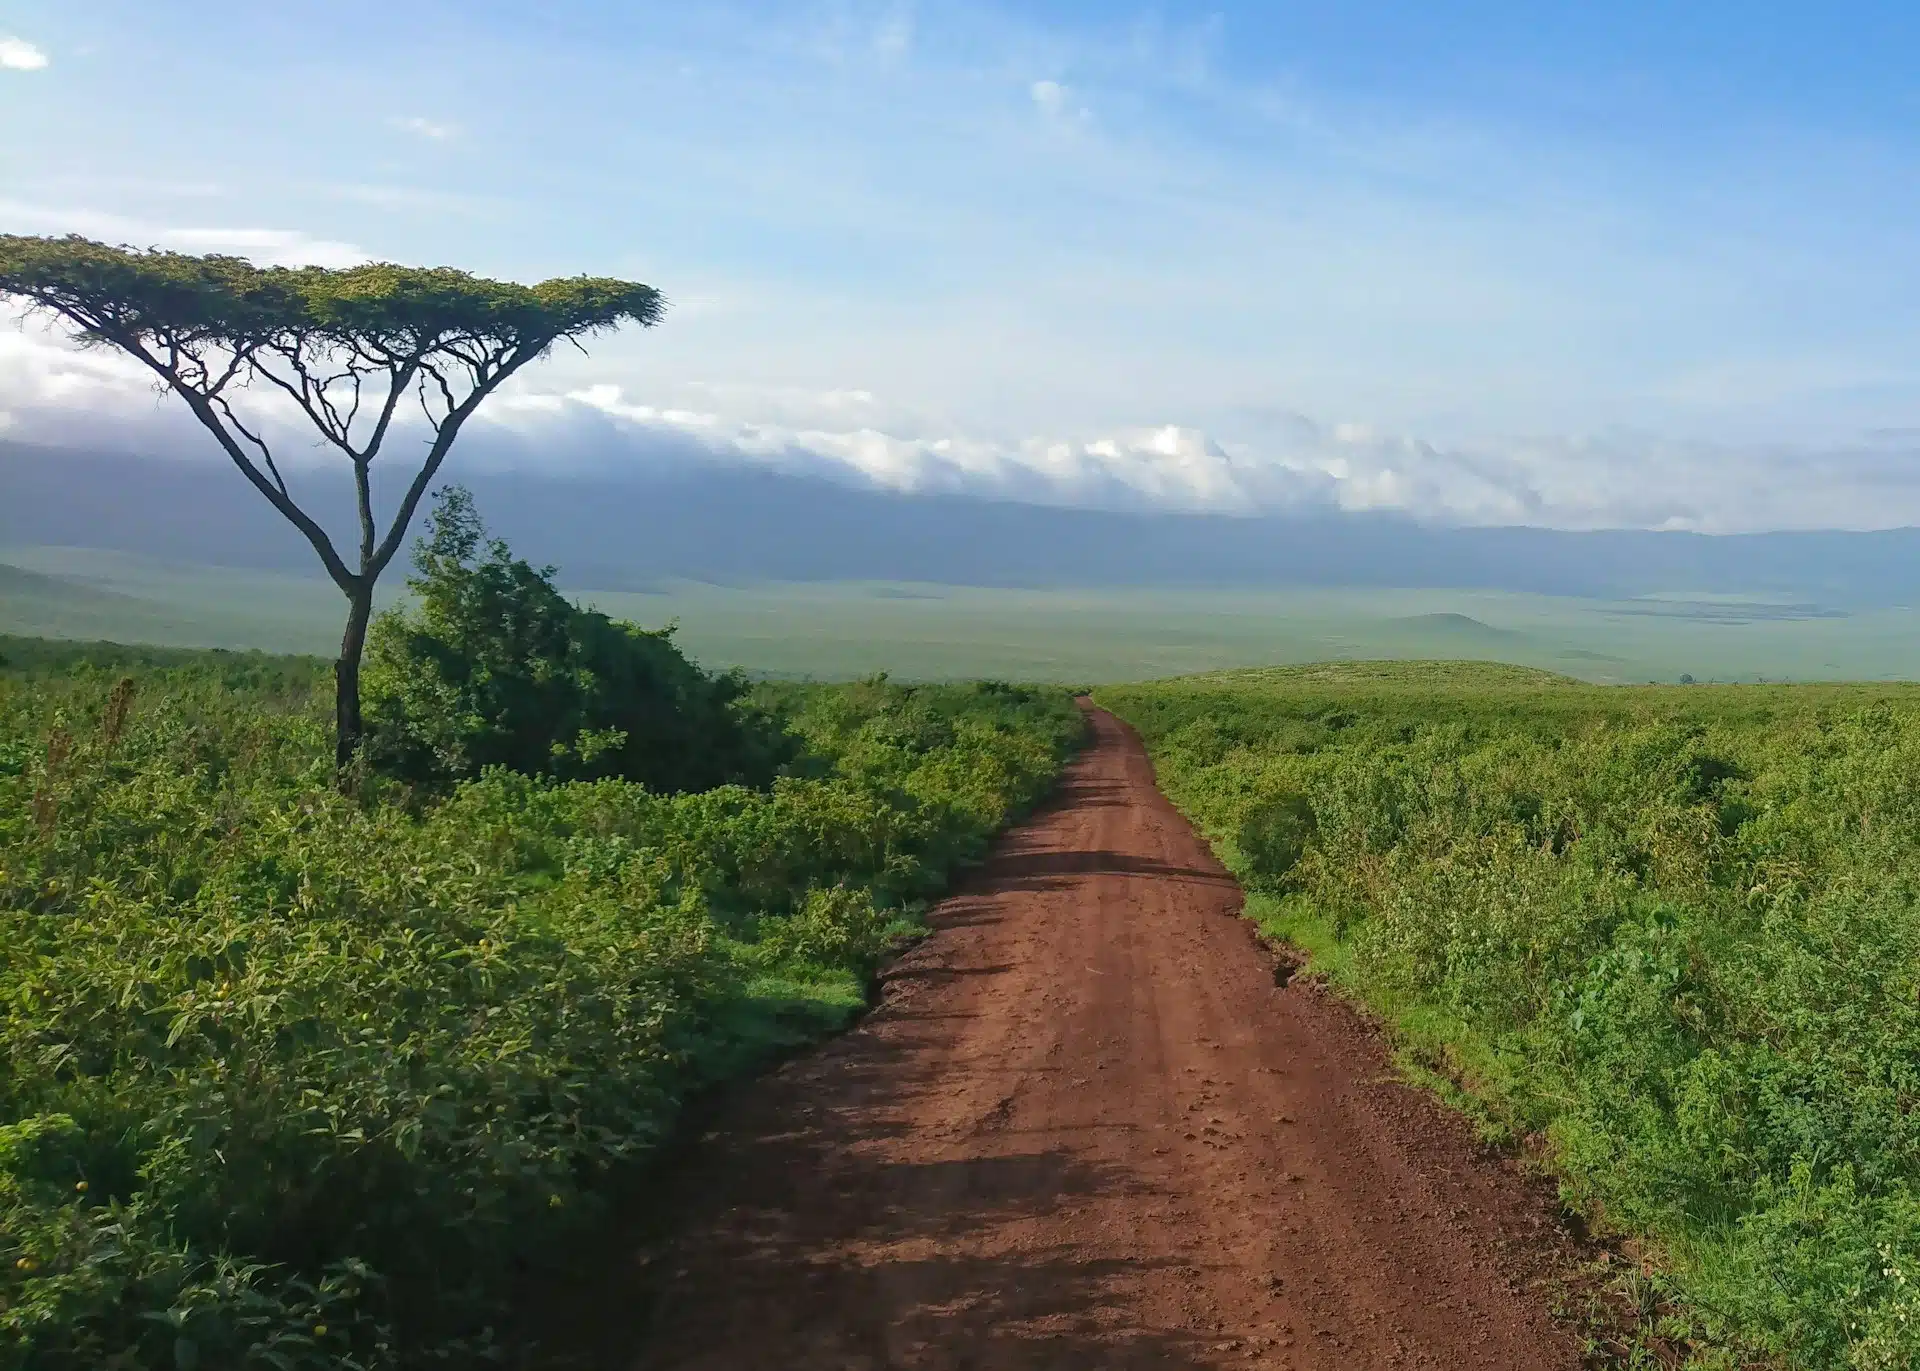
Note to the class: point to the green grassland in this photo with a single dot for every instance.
(837, 631)
(1667, 936)
(298, 1078)
(87, 594)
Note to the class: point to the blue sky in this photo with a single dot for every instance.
(1584, 264)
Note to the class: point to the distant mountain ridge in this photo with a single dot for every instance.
(743, 524)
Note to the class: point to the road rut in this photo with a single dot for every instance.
(1085, 1128)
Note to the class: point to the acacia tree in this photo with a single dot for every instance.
(348, 348)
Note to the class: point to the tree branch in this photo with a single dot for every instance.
(241, 356)
(299, 518)
(446, 391)
(203, 410)
(266, 454)
(516, 357)
(311, 399)
(363, 499)
(401, 383)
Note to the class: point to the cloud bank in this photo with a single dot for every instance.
(1246, 463)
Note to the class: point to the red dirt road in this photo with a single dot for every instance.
(1085, 1128)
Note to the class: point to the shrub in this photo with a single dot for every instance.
(1273, 835)
(493, 666)
(835, 927)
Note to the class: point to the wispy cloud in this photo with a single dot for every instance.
(17, 54)
(436, 130)
(266, 247)
(893, 39)
(1058, 102)
(392, 197)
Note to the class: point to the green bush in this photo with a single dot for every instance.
(493, 666)
(1273, 836)
(295, 1080)
(1673, 932)
(835, 927)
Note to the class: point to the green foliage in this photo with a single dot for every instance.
(238, 670)
(293, 1079)
(1674, 932)
(1273, 836)
(492, 666)
(115, 294)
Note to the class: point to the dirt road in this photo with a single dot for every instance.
(1086, 1129)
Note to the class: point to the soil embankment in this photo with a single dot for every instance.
(1085, 1128)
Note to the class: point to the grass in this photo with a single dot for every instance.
(24, 657)
(87, 594)
(1667, 936)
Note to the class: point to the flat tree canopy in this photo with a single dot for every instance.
(348, 348)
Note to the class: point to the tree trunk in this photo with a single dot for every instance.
(346, 678)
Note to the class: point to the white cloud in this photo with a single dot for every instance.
(434, 129)
(265, 247)
(1058, 104)
(1268, 462)
(17, 54)
(1049, 95)
(262, 246)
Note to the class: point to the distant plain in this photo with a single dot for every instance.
(838, 629)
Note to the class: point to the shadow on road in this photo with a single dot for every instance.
(1048, 870)
(821, 1247)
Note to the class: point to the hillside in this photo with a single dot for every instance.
(615, 529)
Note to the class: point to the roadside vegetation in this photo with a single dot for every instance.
(300, 1074)
(1669, 937)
